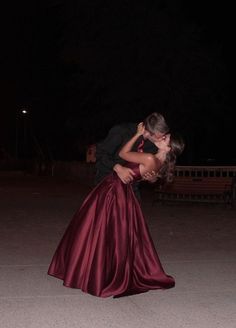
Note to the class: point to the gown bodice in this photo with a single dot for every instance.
(135, 167)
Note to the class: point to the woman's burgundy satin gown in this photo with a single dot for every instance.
(107, 249)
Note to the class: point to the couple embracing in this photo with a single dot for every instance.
(107, 249)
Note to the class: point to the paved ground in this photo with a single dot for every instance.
(196, 244)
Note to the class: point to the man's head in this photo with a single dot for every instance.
(155, 127)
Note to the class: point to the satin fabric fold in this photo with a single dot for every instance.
(107, 249)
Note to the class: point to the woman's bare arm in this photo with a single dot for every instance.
(136, 157)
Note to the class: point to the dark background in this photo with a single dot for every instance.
(80, 67)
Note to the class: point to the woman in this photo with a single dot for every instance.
(107, 249)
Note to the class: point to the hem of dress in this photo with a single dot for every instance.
(118, 295)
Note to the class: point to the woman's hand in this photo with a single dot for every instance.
(126, 151)
(140, 129)
(151, 176)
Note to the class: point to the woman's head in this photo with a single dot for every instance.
(174, 145)
(171, 143)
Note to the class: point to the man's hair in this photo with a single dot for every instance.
(155, 122)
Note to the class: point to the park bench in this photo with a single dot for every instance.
(197, 189)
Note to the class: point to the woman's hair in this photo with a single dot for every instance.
(166, 172)
(155, 122)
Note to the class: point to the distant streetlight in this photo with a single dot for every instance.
(22, 117)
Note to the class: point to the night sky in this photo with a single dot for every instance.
(80, 67)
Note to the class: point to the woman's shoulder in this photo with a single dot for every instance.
(153, 160)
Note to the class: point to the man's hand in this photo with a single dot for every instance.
(124, 173)
(150, 176)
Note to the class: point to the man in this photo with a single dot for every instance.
(107, 158)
